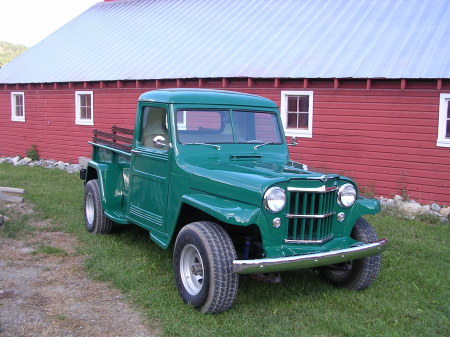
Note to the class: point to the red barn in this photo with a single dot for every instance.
(364, 84)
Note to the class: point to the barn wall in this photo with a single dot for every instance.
(381, 133)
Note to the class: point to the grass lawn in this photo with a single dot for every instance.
(410, 297)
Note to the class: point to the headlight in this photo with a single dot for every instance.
(346, 195)
(274, 199)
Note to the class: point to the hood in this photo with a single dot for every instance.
(243, 178)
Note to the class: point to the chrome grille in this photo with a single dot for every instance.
(310, 214)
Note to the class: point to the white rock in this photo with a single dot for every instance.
(24, 162)
(410, 208)
(387, 202)
(425, 209)
(61, 165)
(72, 168)
(435, 207)
(14, 160)
(398, 198)
(445, 212)
(83, 161)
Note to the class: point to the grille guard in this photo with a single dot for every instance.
(269, 265)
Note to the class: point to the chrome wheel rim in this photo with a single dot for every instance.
(191, 269)
(90, 209)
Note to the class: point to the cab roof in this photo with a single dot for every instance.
(204, 96)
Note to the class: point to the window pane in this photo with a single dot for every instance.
(292, 103)
(180, 117)
(303, 103)
(255, 127)
(85, 106)
(448, 109)
(153, 123)
(303, 121)
(447, 134)
(292, 120)
(88, 112)
(205, 126)
(88, 101)
(19, 100)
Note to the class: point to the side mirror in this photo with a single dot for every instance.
(159, 142)
(294, 141)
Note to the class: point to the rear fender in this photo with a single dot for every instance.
(111, 187)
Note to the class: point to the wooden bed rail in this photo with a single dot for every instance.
(118, 138)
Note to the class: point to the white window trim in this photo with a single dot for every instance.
(182, 125)
(78, 119)
(13, 107)
(283, 111)
(443, 106)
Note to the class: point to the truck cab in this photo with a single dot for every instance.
(209, 173)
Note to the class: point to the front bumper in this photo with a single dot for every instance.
(270, 265)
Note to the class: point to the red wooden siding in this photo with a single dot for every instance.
(373, 131)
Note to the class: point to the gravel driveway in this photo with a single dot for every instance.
(44, 290)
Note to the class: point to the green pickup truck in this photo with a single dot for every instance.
(208, 172)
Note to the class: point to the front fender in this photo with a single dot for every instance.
(361, 207)
(229, 211)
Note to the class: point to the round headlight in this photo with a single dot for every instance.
(275, 199)
(346, 195)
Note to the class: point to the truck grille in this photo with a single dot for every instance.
(310, 214)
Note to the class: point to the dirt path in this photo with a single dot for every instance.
(44, 290)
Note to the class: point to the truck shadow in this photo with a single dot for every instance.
(304, 284)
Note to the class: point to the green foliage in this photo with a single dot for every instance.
(33, 153)
(410, 297)
(9, 51)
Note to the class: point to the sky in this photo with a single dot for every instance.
(28, 22)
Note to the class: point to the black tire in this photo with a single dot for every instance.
(203, 267)
(356, 274)
(94, 217)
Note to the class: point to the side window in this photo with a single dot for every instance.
(297, 113)
(18, 106)
(153, 127)
(84, 107)
(444, 121)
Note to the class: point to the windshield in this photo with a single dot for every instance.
(227, 126)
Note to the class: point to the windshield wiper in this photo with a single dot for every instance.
(206, 144)
(259, 145)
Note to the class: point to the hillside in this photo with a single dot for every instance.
(8, 51)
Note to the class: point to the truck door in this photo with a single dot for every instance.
(150, 167)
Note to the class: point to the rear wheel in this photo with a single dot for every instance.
(356, 274)
(94, 217)
(203, 267)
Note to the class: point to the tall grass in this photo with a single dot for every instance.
(410, 297)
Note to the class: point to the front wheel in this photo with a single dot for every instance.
(356, 274)
(203, 267)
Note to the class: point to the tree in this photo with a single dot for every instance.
(8, 51)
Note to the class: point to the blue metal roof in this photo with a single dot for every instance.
(161, 39)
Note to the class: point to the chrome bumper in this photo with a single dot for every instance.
(269, 265)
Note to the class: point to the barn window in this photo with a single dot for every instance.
(444, 121)
(297, 113)
(18, 106)
(84, 102)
